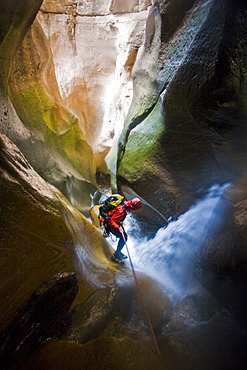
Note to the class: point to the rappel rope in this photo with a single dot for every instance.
(155, 344)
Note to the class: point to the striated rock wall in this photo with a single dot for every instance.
(93, 56)
(35, 96)
(71, 87)
(16, 18)
(94, 7)
(27, 76)
(38, 234)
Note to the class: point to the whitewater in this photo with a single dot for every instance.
(168, 258)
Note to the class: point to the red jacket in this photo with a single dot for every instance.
(119, 214)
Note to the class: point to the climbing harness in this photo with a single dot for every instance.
(155, 344)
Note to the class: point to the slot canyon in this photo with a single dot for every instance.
(148, 99)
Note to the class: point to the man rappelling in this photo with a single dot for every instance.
(112, 214)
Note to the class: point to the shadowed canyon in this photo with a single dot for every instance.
(146, 98)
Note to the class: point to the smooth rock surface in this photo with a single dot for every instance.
(44, 316)
(41, 235)
(93, 58)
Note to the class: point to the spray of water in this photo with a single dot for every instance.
(168, 257)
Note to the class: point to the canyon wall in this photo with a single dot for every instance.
(186, 129)
(155, 95)
(70, 84)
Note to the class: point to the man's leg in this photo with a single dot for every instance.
(121, 241)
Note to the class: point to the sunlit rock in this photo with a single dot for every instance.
(94, 214)
(41, 109)
(13, 31)
(127, 6)
(94, 7)
(35, 96)
(93, 58)
(75, 113)
(186, 124)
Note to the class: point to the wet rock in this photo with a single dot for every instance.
(94, 214)
(194, 310)
(218, 344)
(90, 318)
(100, 353)
(222, 263)
(44, 316)
(153, 300)
(185, 317)
(136, 328)
(120, 307)
(41, 235)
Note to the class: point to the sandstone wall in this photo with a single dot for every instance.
(71, 87)
(66, 87)
(93, 58)
(95, 7)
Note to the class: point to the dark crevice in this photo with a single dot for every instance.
(173, 17)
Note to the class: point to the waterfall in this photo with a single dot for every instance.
(168, 257)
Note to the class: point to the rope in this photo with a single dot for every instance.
(155, 344)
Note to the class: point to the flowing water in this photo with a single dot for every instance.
(168, 257)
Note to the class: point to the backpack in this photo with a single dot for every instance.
(110, 203)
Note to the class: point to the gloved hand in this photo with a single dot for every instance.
(107, 218)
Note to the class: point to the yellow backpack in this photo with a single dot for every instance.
(111, 202)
